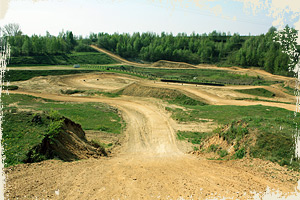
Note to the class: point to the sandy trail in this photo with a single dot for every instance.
(139, 177)
(148, 166)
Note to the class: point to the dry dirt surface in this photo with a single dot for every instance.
(150, 163)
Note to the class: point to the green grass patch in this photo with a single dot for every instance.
(193, 137)
(195, 75)
(64, 59)
(71, 91)
(224, 114)
(23, 75)
(10, 87)
(182, 99)
(257, 99)
(107, 94)
(21, 132)
(274, 130)
(258, 92)
(91, 116)
(289, 90)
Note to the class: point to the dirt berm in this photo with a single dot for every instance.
(170, 64)
(138, 90)
(68, 145)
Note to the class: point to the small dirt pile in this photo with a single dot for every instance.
(68, 144)
(169, 64)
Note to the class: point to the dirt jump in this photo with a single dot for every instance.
(150, 163)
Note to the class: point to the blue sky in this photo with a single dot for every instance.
(83, 17)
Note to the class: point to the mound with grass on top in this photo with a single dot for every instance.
(33, 137)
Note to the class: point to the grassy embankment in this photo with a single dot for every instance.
(66, 59)
(187, 75)
(257, 131)
(20, 133)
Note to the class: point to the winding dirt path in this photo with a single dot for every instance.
(148, 166)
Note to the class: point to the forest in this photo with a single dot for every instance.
(213, 48)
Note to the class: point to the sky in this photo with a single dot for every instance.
(200, 16)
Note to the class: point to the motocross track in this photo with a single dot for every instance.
(150, 163)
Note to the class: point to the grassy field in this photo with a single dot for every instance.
(190, 75)
(68, 59)
(273, 128)
(258, 92)
(21, 132)
(92, 116)
(23, 75)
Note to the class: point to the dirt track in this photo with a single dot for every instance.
(150, 164)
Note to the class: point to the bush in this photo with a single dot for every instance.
(240, 153)
(54, 115)
(213, 148)
(71, 91)
(10, 87)
(222, 153)
(234, 132)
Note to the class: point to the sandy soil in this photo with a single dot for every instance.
(150, 163)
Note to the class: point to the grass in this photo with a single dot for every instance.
(224, 114)
(10, 87)
(107, 94)
(257, 99)
(193, 137)
(23, 130)
(91, 116)
(289, 90)
(71, 91)
(258, 92)
(195, 75)
(65, 59)
(274, 130)
(20, 134)
(23, 75)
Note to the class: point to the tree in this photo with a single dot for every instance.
(12, 29)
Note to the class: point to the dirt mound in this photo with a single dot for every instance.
(174, 65)
(148, 91)
(68, 145)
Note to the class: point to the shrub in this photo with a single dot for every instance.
(213, 148)
(222, 153)
(240, 153)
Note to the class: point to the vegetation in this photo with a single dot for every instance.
(71, 91)
(92, 116)
(193, 137)
(224, 114)
(23, 75)
(257, 92)
(10, 87)
(62, 59)
(258, 131)
(187, 75)
(215, 47)
(22, 131)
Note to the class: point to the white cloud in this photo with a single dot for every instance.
(276, 9)
(3, 8)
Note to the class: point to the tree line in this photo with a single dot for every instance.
(213, 48)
